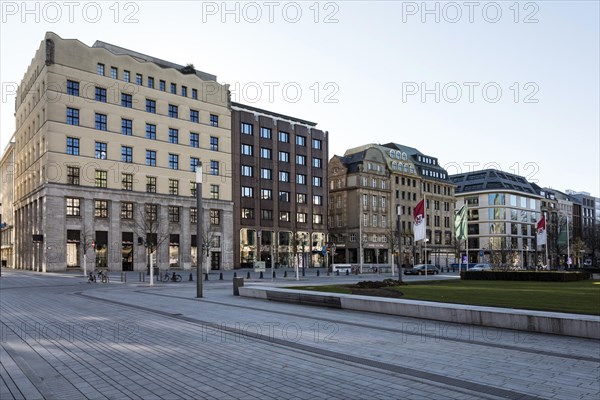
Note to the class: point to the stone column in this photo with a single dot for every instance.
(115, 237)
(185, 239)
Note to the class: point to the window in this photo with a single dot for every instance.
(284, 216)
(126, 127)
(101, 150)
(214, 167)
(101, 122)
(284, 137)
(114, 73)
(247, 213)
(317, 181)
(73, 207)
(193, 189)
(151, 212)
(284, 156)
(100, 179)
(161, 85)
(317, 219)
(126, 210)
(300, 198)
(214, 120)
(127, 181)
(284, 197)
(195, 94)
(72, 88)
(151, 131)
(215, 217)
(266, 173)
(173, 111)
(173, 88)
(301, 217)
(301, 179)
(247, 191)
(246, 129)
(126, 154)
(194, 162)
(284, 176)
(193, 215)
(73, 146)
(100, 94)
(265, 153)
(300, 159)
(301, 141)
(151, 184)
(266, 194)
(184, 91)
(247, 170)
(151, 158)
(173, 135)
(174, 187)
(194, 140)
(316, 144)
(214, 192)
(266, 215)
(72, 175)
(100, 208)
(214, 143)
(316, 162)
(126, 76)
(173, 214)
(72, 116)
(151, 82)
(173, 161)
(194, 116)
(265, 133)
(100, 69)
(138, 79)
(151, 106)
(247, 150)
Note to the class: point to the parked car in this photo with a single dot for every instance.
(420, 269)
(481, 267)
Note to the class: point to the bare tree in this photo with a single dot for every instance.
(86, 243)
(147, 226)
(579, 248)
(207, 243)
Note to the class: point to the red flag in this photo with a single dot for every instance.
(419, 221)
(541, 231)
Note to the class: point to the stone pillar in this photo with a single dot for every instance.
(115, 237)
(163, 237)
(185, 239)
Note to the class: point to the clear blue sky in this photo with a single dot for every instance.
(362, 68)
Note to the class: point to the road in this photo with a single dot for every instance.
(62, 338)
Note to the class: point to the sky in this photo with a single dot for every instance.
(506, 85)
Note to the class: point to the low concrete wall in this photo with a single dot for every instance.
(587, 326)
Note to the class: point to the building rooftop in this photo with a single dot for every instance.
(492, 179)
(272, 114)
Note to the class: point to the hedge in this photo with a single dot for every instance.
(541, 276)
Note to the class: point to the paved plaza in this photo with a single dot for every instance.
(63, 338)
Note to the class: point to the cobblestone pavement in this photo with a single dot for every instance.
(62, 338)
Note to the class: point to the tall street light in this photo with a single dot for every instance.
(199, 229)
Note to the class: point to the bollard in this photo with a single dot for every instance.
(248, 275)
(191, 278)
(274, 275)
(318, 273)
(337, 272)
(285, 274)
(237, 284)
(347, 272)
(220, 276)
(261, 275)
(235, 274)
(206, 276)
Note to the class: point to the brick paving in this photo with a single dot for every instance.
(62, 338)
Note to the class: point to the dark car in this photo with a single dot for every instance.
(420, 269)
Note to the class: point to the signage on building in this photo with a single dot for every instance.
(37, 238)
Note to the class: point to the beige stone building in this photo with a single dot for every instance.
(105, 149)
(372, 188)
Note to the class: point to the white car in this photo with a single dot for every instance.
(481, 267)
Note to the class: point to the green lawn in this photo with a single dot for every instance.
(582, 297)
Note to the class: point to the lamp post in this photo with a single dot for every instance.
(399, 243)
(199, 230)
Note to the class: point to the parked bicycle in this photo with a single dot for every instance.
(91, 278)
(173, 278)
(103, 275)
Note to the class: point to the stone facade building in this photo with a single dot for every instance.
(106, 144)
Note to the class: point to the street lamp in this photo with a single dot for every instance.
(199, 229)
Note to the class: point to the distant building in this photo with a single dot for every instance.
(589, 230)
(558, 208)
(372, 188)
(7, 182)
(279, 188)
(503, 210)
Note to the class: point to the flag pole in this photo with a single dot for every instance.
(546, 244)
(425, 222)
